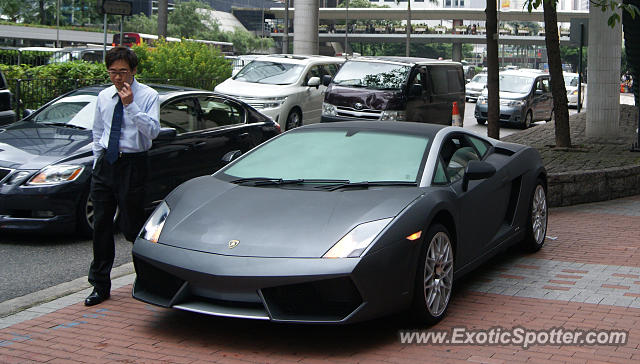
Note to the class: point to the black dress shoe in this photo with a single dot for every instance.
(95, 298)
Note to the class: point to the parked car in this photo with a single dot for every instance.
(46, 159)
(571, 84)
(474, 88)
(7, 114)
(342, 222)
(525, 97)
(394, 89)
(285, 87)
(88, 54)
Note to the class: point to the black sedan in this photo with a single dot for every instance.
(341, 222)
(46, 159)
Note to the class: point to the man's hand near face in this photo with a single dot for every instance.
(125, 94)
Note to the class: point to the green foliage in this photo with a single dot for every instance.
(140, 23)
(186, 63)
(188, 23)
(245, 42)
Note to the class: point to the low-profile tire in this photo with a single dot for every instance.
(434, 276)
(537, 218)
(528, 120)
(294, 119)
(481, 121)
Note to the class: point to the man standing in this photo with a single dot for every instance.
(125, 123)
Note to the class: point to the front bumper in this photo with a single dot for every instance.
(473, 94)
(44, 209)
(508, 114)
(278, 289)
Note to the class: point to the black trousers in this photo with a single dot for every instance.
(115, 186)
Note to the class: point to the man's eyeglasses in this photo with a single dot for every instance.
(113, 73)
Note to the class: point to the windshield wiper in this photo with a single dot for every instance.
(365, 184)
(263, 181)
(64, 125)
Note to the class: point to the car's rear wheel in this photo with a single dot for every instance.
(528, 120)
(86, 213)
(481, 121)
(537, 219)
(294, 119)
(434, 277)
(553, 116)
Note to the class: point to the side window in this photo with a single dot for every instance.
(219, 112)
(480, 145)
(439, 82)
(314, 71)
(545, 85)
(332, 68)
(454, 78)
(440, 177)
(180, 114)
(455, 154)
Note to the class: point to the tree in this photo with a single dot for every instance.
(11, 9)
(493, 84)
(163, 8)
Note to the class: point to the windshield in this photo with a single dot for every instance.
(272, 73)
(570, 80)
(479, 79)
(77, 109)
(374, 75)
(517, 84)
(336, 155)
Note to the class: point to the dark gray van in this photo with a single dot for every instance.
(394, 89)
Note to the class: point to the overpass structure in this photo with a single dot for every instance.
(49, 34)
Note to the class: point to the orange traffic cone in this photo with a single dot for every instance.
(456, 120)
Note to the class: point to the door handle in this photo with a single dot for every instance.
(198, 145)
(243, 136)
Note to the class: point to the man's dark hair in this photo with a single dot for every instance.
(121, 52)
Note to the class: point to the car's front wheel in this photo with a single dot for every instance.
(528, 120)
(481, 121)
(294, 119)
(434, 277)
(537, 219)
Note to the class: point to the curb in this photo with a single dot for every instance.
(571, 188)
(18, 304)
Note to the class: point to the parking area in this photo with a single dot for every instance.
(587, 277)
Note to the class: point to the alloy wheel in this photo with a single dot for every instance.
(438, 274)
(539, 214)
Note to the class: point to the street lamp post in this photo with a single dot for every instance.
(346, 30)
(58, 25)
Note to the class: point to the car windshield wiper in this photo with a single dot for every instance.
(365, 184)
(64, 125)
(263, 181)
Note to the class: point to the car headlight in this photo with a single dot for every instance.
(56, 174)
(572, 92)
(357, 240)
(393, 115)
(482, 100)
(328, 109)
(17, 177)
(274, 102)
(152, 229)
(512, 103)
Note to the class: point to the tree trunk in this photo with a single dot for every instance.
(163, 6)
(631, 29)
(558, 90)
(493, 85)
(43, 16)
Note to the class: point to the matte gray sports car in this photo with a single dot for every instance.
(341, 222)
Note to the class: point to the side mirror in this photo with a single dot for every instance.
(476, 170)
(167, 134)
(415, 90)
(326, 80)
(26, 113)
(230, 156)
(314, 82)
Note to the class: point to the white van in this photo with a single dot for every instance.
(285, 87)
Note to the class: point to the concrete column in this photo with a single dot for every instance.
(456, 51)
(603, 76)
(305, 27)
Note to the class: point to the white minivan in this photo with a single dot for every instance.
(285, 87)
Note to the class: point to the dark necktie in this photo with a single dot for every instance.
(114, 134)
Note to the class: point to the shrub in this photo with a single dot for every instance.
(185, 63)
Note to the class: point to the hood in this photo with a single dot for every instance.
(475, 85)
(31, 146)
(241, 89)
(507, 95)
(369, 98)
(272, 221)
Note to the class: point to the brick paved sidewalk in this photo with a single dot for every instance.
(586, 277)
